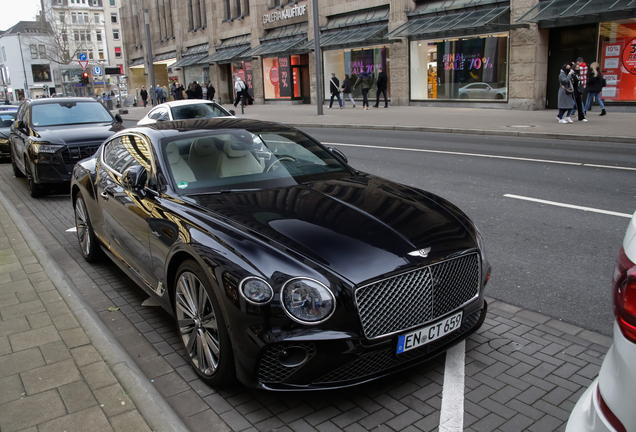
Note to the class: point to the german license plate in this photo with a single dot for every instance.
(428, 334)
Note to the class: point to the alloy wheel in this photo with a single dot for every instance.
(81, 224)
(198, 323)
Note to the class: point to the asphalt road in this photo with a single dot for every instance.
(553, 260)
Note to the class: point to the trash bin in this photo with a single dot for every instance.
(109, 104)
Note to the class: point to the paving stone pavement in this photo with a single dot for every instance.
(524, 371)
(51, 376)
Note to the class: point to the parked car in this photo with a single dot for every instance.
(50, 135)
(6, 121)
(481, 91)
(608, 404)
(282, 264)
(183, 110)
(9, 107)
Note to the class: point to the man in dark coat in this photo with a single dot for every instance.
(198, 91)
(144, 95)
(211, 91)
(382, 84)
(334, 88)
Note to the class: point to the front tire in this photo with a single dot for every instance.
(89, 245)
(16, 171)
(35, 190)
(202, 326)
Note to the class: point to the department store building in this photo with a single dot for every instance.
(465, 53)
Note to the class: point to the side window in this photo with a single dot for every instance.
(125, 152)
(153, 114)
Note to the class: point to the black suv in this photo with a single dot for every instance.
(50, 135)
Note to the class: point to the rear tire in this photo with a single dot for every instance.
(202, 326)
(89, 244)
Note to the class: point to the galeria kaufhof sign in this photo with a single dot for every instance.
(285, 14)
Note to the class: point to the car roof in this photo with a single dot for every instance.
(58, 100)
(193, 126)
(187, 102)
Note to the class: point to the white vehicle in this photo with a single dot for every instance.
(184, 110)
(481, 91)
(608, 404)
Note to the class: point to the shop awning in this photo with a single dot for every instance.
(366, 16)
(267, 49)
(559, 13)
(352, 37)
(165, 58)
(136, 63)
(456, 24)
(228, 54)
(190, 60)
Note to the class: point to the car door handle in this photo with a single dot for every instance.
(104, 195)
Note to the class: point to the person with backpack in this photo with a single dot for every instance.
(239, 87)
(334, 88)
(595, 84)
(364, 79)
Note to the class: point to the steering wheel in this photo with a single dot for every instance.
(279, 160)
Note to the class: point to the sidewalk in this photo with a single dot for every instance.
(52, 376)
(615, 127)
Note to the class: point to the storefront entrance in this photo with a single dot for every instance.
(566, 45)
(301, 88)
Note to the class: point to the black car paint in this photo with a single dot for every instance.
(76, 136)
(234, 235)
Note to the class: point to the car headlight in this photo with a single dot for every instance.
(307, 301)
(44, 147)
(256, 290)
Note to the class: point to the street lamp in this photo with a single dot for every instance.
(26, 86)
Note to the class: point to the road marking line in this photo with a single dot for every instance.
(451, 418)
(74, 229)
(482, 155)
(558, 204)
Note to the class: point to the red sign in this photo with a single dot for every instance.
(83, 63)
(273, 75)
(241, 74)
(629, 57)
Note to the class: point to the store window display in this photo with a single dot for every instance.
(617, 54)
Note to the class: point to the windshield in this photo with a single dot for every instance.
(63, 113)
(7, 118)
(199, 110)
(240, 159)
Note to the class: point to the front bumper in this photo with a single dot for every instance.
(51, 173)
(330, 364)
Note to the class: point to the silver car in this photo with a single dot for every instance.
(184, 110)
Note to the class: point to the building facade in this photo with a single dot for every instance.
(472, 53)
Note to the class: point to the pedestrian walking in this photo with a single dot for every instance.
(165, 93)
(190, 91)
(566, 95)
(239, 87)
(595, 84)
(211, 91)
(578, 92)
(583, 72)
(178, 92)
(381, 88)
(159, 94)
(198, 91)
(346, 91)
(204, 89)
(173, 87)
(364, 79)
(144, 95)
(334, 88)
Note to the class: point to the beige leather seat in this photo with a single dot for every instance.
(179, 167)
(237, 162)
(204, 158)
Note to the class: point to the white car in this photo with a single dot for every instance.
(183, 110)
(479, 90)
(608, 405)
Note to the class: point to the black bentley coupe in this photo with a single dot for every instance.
(282, 265)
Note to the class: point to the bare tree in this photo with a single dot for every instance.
(59, 40)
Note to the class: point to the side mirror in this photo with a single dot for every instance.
(232, 112)
(134, 178)
(118, 118)
(338, 154)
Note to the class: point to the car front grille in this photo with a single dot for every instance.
(71, 155)
(414, 298)
(271, 370)
(380, 361)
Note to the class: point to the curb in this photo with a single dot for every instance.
(154, 409)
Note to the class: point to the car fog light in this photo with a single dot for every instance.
(256, 290)
(307, 301)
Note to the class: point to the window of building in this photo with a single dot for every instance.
(97, 18)
(95, 2)
(238, 8)
(100, 53)
(169, 26)
(204, 15)
(41, 73)
(190, 15)
(112, 3)
(76, 35)
(42, 51)
(617, 63)
(116, 34)
(73, 17)
(469, 68)
(113, 17)
(98, 35)
(86, 21)
(199, 14)
(162, 20)
(228, 10)
(117, 52)
(34, 51)
(80, 18)
(62, 17)
(88, 35)
(64, 36)
(90, 54)
(247, 7)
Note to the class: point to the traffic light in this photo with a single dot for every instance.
(85, 78)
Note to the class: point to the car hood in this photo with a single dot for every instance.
(4, 132)
(359, 227)
(78, 133)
